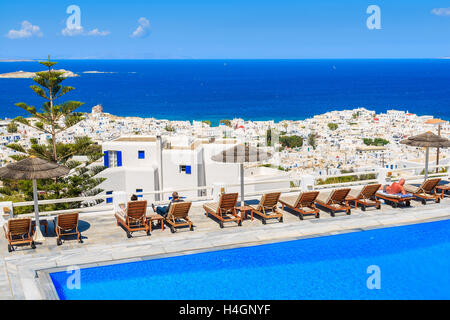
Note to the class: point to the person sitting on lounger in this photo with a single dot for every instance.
(163, 211)
(123, 206)
(396, 187)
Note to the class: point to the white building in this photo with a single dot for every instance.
(144, 164)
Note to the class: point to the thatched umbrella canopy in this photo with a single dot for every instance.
(242, 154)
(31, 169)
(427, 140)
(437, 122)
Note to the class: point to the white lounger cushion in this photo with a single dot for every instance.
(291, 200)
(412, 189)
(355, 193)
(324, 197)
(212, 206)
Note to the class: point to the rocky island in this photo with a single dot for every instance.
(25, 74)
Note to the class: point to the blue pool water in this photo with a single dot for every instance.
(414, 263)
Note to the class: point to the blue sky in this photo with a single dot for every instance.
(225, 29)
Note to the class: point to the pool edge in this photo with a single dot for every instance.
(48, 290)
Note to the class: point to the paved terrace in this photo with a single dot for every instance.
(105, 242)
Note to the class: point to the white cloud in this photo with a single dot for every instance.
(441, 11)
(28, 30)
(143, 30)
(79, 31)
(96, 32)
(70, 32)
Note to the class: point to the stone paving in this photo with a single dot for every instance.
(105, 242)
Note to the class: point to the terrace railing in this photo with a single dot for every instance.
(209, 193)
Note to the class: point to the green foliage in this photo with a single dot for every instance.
(207, 122)
(269, 137)
(333, 126)
(312, 140)
(291, 141)
(16, 147)
(349, 178)
(52, 118)
(267, 165)
(169, 128)
(12, 127)
(225, 122)
(80, 182)
(375, 142)
(16, 198)
(82, 146)
(432, 171)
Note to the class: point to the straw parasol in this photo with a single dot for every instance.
(437, 122)
(241, 154)
(427, 140)
(32, 169)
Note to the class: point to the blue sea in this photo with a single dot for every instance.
(407, 262)
(250, 89)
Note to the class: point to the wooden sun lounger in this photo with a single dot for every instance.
(18, 231)
(267, 207)
(303, 204)
(393, 199)
(178, 211)
(334, 201)
(134, 219)
(427, 191)
(365, 197)
(224, 210)
(66, 224)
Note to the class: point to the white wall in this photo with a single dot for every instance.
(173, 178)
(128, 180)
(142, 173)
(130, 152)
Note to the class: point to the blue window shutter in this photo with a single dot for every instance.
(106, 159)
(109, 200)
(141, 154)
(119, 158)
(188, 169)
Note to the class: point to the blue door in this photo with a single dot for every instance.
(119, 158)
(106, 159)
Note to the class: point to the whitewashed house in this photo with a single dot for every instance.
(142, 164)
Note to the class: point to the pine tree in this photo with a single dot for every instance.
(52, 118)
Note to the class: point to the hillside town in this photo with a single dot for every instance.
(327, 144)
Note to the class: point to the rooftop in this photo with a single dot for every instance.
(136, 139)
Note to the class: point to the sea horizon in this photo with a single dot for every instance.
(209, 59)
(251, 89)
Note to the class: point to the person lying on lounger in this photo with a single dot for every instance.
(395, 187)
(163, 211)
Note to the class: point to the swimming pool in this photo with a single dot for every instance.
(411, 262)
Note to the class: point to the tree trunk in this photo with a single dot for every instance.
(55, 155)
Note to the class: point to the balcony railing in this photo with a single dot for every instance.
(296, 183)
